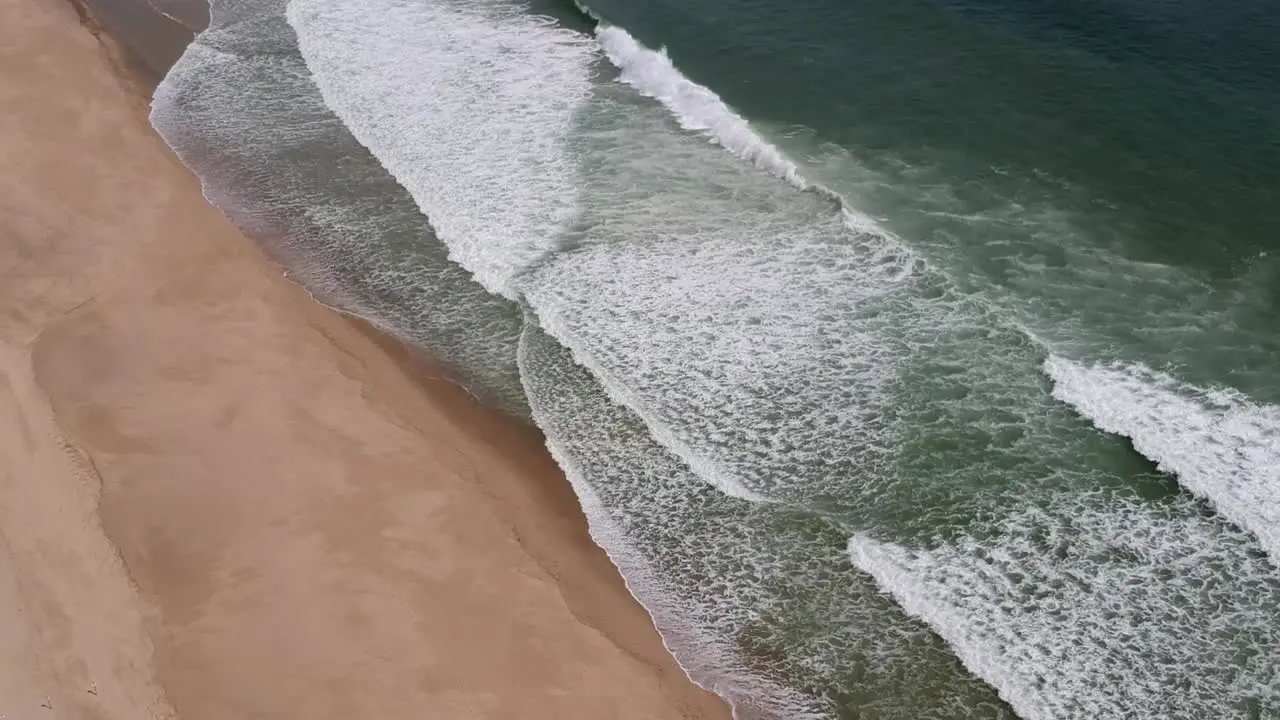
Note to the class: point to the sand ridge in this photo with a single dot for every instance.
(219, 499)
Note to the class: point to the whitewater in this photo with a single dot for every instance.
(745, 378)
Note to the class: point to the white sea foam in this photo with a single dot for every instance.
(1095, 608)
(468, 105)
(1222, 446)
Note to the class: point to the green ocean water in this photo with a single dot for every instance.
(1007, 136)
(911, 360)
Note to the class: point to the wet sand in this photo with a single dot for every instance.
(219, 499)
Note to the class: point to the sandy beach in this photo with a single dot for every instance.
(219, 499)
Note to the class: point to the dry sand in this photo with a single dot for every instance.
(219, 500)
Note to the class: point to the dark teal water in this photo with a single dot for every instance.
(911, 360)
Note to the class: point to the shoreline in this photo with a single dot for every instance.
(222, 499)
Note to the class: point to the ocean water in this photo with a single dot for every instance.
(910, 360)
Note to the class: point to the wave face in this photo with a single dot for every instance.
(699, 109)
(825, 457)
(1222, 446)
(694, 106)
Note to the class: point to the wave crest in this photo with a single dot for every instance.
(1222, 446)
